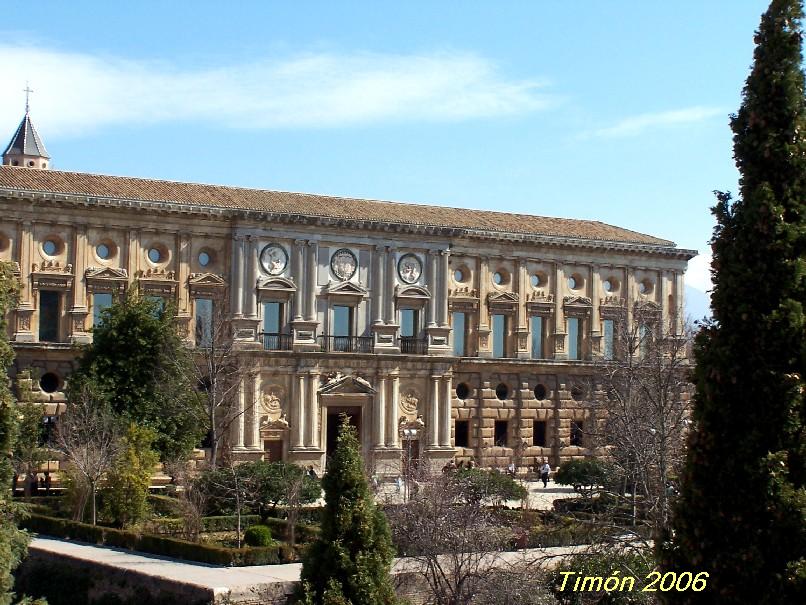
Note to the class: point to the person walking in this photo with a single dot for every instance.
(545, 471)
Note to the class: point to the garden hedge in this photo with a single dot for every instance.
(157, 545)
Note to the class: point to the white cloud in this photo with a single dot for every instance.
(635, 125)
(74, 91)
(698, 274)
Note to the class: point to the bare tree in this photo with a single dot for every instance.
(218, 372)
(451, 537)
(87, 436)
(192, 500)
(644, 411)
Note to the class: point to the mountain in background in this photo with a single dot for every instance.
(698, 303)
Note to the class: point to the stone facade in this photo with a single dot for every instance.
(339, 309)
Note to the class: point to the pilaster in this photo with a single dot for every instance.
(25, 308)
(379, 415)
(80, 309)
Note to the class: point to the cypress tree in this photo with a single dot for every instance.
(350, 561)
(742, 511)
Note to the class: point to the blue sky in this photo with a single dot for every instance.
(615, 111)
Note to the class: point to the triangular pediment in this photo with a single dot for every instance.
(346, 288)
(277, 284)
(341, 384)
(106, 273)
(507, 298)
(420, 292)
(647, 305)
(207, 279)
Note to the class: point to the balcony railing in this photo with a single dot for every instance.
(273, 341)
(413, 346)
(346, 344)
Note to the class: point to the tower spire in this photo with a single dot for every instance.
(26, 148)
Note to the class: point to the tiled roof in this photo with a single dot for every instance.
(26, 141)
(314, 205)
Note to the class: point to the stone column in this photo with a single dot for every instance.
(445, 412)
(298, 429)
(443, 287)
(679, 298)
(484, 288)
(238, 421)
(596, 296)
(183, 273)
(522, 285)
(133, 260)
(663, 296)
(79, 267)
(312, 415)
(378, 285)
(379, 414)
(389, 295)
(249, 287)
(560, 350)
(630, 296)
(26, 239)
(298, 299)
(433, 282)
(392, 406)
(237, 276)
(433, 413)
(310, 282)
(256, 408)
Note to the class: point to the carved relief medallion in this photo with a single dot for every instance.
(409, 402)
(273, 259)
(343, 264)
(409, 268)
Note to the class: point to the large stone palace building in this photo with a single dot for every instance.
(441, 331)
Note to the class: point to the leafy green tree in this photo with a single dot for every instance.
(349, 563)
(28, 453)
(491, 486)
(585, 475)
(127, 482)
(138, 359)
(742, 512)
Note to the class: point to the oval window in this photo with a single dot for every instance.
(535, 280)
(50, 247)
(459, 276)
(462, 391)
(498, 278)
(103, 252)
(154, 255)
(540, 392)
(204, 259)
(49, 382)
(573, 283)
(502, 391)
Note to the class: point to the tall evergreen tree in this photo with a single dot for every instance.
(742, 514)
(350, 561)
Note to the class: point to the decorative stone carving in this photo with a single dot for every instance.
(409, 268)
(343, 264)
(409, 402)
(273, 259)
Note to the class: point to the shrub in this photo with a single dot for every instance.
(258, 535)
(585, 473)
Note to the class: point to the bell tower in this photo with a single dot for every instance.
(26, 148)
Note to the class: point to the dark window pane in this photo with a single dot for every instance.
(160, 304)
(48, 316)
(608, 339)
(462, 437)
(501, 433)
(539, 433)
(408, 323)
(573, 338)
(342, 321)
(576, 432)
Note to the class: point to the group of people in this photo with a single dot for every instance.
(452, 465)
(543, 470)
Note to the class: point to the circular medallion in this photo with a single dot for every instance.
(343, 264)
(274, 259)
(409, 268)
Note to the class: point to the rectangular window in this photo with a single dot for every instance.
(644, 336)
(539, 433)
(608, 327)
(159, 302)
(459, 334)
(537, 336)
(342, 320)
(342, 328)
(272, 317)
(499, 335)
(501, 433)
(100, 301)
(49, 316)
(409, 324)
(576, 432)
(462, 433)
(204, 322)
(574, 338)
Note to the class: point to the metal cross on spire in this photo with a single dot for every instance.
(28, 92)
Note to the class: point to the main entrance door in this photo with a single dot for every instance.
(334, 420)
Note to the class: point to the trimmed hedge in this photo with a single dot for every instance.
(278, 527)
(157, 545)
(258, 535)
